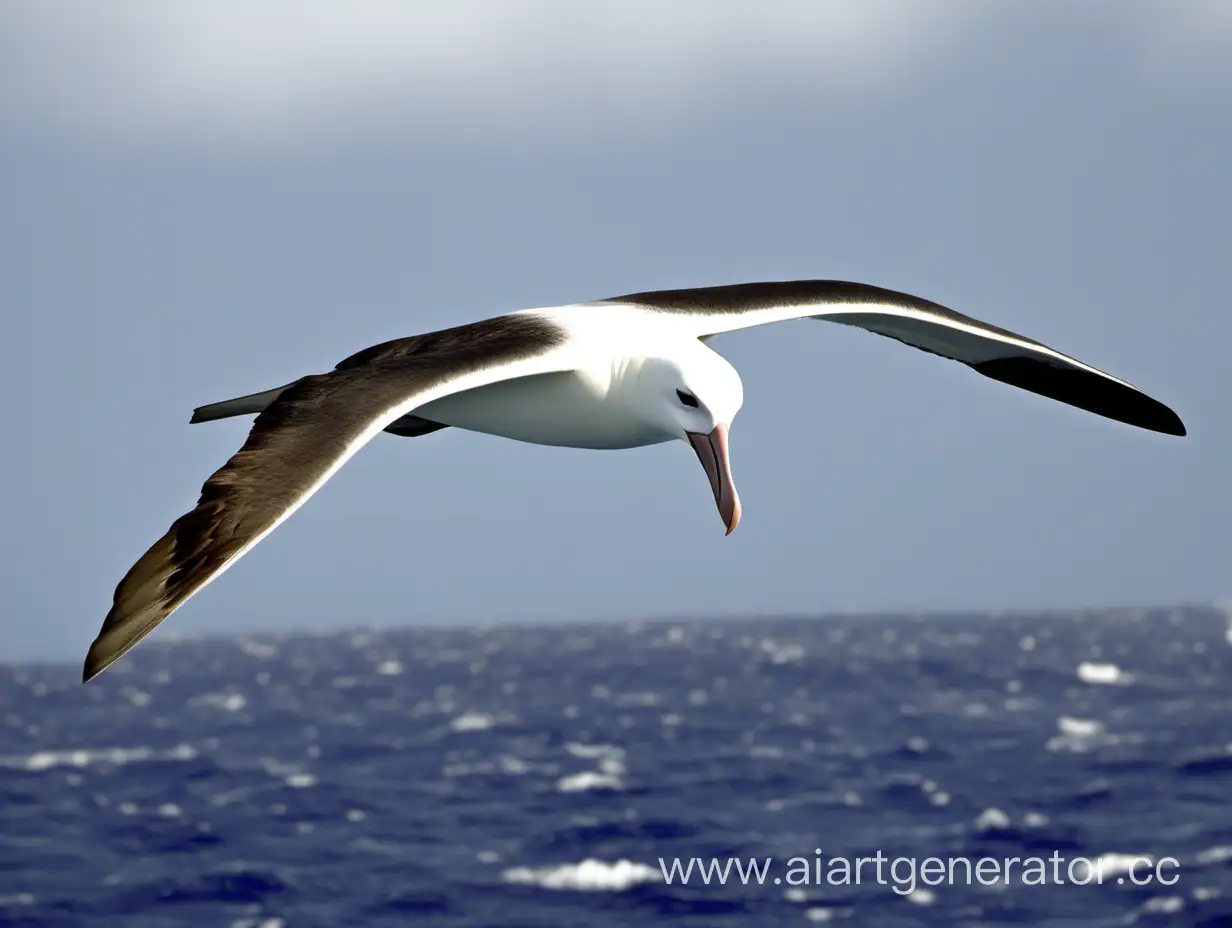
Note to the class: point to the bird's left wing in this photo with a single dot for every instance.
(992, 351)
(298, 443)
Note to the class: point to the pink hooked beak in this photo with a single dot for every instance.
(712, 451)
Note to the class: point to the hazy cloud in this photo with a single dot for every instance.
(227, 71)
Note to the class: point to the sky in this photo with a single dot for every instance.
(206, 200)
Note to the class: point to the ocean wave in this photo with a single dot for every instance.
(587, 876)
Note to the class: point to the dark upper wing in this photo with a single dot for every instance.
(992, 351)
(295, 445)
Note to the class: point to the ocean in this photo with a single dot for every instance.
(543, 777)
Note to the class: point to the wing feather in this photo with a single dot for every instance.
(298, 442)
(992, 351)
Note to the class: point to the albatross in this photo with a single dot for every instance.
(616, 373)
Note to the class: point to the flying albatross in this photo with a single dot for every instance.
(618, 373)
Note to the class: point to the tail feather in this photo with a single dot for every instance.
(241, 405)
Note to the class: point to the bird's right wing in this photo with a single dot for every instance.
(298, 442)
(987, 349)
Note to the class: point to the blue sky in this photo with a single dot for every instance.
(210, 199)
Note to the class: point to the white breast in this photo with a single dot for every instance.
(548, 409)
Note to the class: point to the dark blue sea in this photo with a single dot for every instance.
(533, 777)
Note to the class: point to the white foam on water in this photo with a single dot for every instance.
(514, 766)
(1079, 736)
(1164, 905)
(588, 780)
(136, 697)
(922, 896)
(86, 757)
(18, 899)
(825, 915)
(258, 649)
(301, 780)
(789, 653)
(587, 876)
(1111, 864)
(577, 749)
(992, 820)
(1103, 674)
(1220, 853)
(1079, 728)
(472, 721)
(389, 668)
(227, 702)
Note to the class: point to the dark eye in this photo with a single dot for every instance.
(687, 398)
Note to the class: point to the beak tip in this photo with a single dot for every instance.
(711, 449)
(733, 518)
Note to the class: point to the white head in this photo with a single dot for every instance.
(694, 396)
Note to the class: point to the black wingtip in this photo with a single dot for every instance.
(94, 664)
(196, 416)
(1087, 390)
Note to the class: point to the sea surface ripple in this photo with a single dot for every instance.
(534, 776)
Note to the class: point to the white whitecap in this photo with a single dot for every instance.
(258, 649)
(789, 653)
(588, 780)
(818, 914)
(1079, 728)
(85, 757)
(1219, 854)
(1111, 864)
(588, 876)
(228, 702)
(1164, 905)
(588, 751)
(472, 721)
(512, 765)
(137, 697)
(1079, 736)
(390, 668)
(992, 820)
(1102, 674)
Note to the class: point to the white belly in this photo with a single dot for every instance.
(548, 409)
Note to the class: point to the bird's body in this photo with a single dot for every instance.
(598, 405)
(618, 373)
